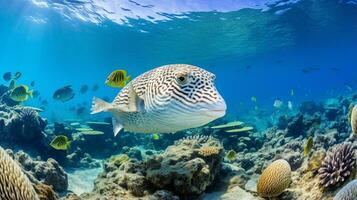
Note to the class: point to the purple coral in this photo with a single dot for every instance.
(337, 165)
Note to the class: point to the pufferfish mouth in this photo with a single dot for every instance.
(216, 110)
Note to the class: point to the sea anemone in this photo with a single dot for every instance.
(14, 184)
(337, 165)
(348, 192)
(29, 117)
(207, 151)
(274, 179)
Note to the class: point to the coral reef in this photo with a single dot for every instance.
(274, 179)
(337, 165)
(45, 192)
(179, 171)
(348, 192)
(354, 119)
(49, 172)
(14, 184)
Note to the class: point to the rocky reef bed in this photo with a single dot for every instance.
(306, 154)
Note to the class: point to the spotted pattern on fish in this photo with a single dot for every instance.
(165, 100)
(158, 86)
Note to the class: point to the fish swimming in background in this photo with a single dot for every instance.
(60, 142)
(290, 105)
(95, 87)
(17, 75)
(32, 83)
(308, 146)
(231, 155)
(278, 104)
(64, 94)
(12, 84)
(117, 79)
(155, 136)
(166, 99)
(292, 93)
(21, 93)
(309, 69)
(253, 98)
(84, 89)
(7, 76)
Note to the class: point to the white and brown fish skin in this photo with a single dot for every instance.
(166, 99)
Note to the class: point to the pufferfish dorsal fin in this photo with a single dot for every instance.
(132, 102)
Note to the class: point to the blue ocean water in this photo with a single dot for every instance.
(255, 48)
(261, 51)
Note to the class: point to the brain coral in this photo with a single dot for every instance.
(354, 119)
(348, 192)
(274, 179)
(14, 184)
(337, 165)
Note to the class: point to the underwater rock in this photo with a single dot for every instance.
(274, 179)
(115, 162)
(79, 159)
(337, 165)
(310, 107)
(180, 169)
(49, 172)
(62, 129)
(348, 192)
(296, 126)
(14, 184)
(52, 174)
(163, 195)
(237, 193)
(183, 169)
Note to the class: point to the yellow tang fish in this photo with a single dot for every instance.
(308, 146)
(20, 93)
(60, 142)
(155, 136)
(117, 79)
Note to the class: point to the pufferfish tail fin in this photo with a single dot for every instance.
(99, 105)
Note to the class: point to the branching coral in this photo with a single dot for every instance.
(348, 192)
(337, 165)
(207, 151)
(194, 138)
(14, 184)
(274, 179)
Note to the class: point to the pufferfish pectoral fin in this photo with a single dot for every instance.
(136, 104)
(116, 126)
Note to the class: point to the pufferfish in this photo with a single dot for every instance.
(166, 99)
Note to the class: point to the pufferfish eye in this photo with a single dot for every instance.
(182, 79)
